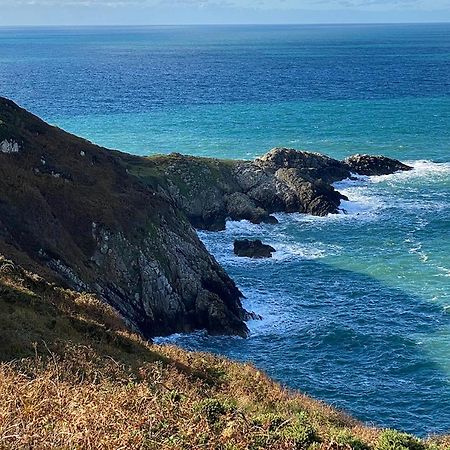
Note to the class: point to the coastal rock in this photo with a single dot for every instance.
(306, 196)
(374, 165)
(310, 165)
(252, 249)
(103, 230)
(241, 207)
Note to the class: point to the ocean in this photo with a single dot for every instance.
(356, 306)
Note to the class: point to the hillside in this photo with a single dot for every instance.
(72, 376)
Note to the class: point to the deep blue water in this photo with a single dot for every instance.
(356, 306)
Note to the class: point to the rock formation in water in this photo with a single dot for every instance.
(121, 226)
(209, 191)
(374, 165)
(252, 249)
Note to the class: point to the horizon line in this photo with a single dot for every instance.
(445, 22)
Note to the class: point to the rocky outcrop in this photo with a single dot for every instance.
(374, 165)
(100, 229)
(252, 249)
(310, 166)
(240, 206)
(209, 191)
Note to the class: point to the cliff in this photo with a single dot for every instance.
(70, 211)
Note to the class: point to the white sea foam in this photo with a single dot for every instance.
(444, 270)
(421, 168)
(366, 200)
(287, 248)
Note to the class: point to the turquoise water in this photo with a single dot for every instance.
(356, 306)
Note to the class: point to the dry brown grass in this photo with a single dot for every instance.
(72, 376)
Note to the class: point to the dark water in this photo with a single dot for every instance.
(356, 307)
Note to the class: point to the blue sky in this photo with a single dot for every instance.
(147, 12)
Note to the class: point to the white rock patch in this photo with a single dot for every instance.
(9, 146)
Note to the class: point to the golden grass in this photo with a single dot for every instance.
(72, 376)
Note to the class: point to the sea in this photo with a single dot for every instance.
(355, 306)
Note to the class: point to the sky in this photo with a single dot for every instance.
(160, 12)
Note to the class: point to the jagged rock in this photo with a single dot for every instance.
(374, 165)
(302, 195)
(241, 207)
(312, 166)
(252, 249)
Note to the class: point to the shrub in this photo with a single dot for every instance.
(394, 440)
(345, 438)
(213, 409)
(300, 432)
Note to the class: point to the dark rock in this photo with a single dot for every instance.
(306, 196)
(252, 249)
(271, 220)
(308, 164)
(253, 316)
(241, 207)
(374, 165)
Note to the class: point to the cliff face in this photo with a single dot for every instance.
(69, 210)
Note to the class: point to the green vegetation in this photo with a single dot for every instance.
(394, 440)
(190, 175)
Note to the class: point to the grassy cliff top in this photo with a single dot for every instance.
(72, 376)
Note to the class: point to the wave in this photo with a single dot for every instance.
(421, 168)
(369, 196)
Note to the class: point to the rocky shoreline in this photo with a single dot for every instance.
(123, 226)
(211, 191)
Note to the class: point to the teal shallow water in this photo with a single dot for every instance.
(356, 306)
(406, 128)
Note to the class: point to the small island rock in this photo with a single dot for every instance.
(252, 249)
(375, 165)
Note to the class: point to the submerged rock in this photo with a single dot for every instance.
(374, 165)
(252, 249)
